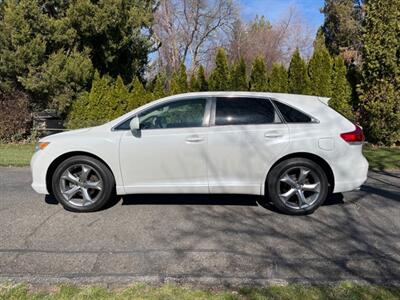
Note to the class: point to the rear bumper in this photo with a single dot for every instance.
(351, 174)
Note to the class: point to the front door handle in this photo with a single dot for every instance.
(194, 139)
(273, 135)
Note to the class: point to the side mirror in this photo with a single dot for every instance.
(134, 125)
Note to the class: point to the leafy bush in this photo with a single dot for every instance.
(15, 116)
(380, 85)
(381, 113)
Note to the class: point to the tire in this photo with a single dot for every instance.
(80, 178)
(297, 186)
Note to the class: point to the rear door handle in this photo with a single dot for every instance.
(273, 135)
(194, 139)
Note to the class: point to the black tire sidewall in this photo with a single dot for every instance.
(103, 171)
(278, 170)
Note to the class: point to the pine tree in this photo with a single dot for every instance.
(380, 87)
(342, 24)
(299, 82)
(60, 79)
(50, 49)
(278, 79)
(93, 107)
(219, 78)
(238, 76)
(341, 96)
(138, 94)
(258, 77)
(202, 80)
(179, 82)
(160, 86)
(119, 99)
(319, 41)
(193, 84)
(320, 68)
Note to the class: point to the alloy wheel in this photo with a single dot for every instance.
(299, 187)
(81, 185)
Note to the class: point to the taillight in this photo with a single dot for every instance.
(355, 136)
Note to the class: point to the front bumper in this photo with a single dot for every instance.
(39, 165)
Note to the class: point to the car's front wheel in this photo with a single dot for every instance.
(297, 186)
(82, 184)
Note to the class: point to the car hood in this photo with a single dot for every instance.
(75, 132)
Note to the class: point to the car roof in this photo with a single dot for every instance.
(278, 96)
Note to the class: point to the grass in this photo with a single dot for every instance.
(383, 158)
(17, 155)
(169, 291)
(380, 158)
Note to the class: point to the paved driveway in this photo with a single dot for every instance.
(200, 239)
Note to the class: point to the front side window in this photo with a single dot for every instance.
(177, 114)
(242, 111)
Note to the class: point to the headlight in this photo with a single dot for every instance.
(41, 146)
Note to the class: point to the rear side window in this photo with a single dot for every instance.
(242, 111)
(292, 115)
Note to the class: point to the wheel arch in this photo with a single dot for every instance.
(56, 162)
(313, 157)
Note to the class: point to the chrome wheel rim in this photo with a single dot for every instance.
(299, 187)
(81, 185)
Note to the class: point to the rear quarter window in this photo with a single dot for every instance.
(292, 115)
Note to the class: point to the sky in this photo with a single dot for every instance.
(273, 9)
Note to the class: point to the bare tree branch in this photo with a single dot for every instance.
(274, 42)
(187, 28)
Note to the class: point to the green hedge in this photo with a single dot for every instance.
(106, 100)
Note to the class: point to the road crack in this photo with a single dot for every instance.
(36, 228)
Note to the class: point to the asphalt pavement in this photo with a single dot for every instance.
(216, 240)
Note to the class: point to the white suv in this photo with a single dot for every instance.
(293, 149)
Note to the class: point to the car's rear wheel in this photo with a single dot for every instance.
(297, 186)
(82, 184)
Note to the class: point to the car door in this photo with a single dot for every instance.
(169, 154)
(245, 138)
